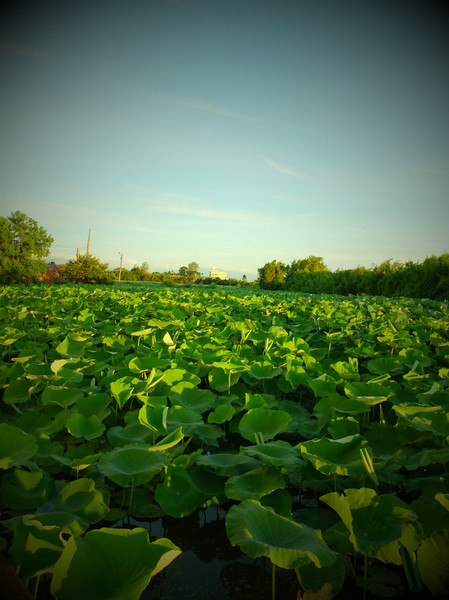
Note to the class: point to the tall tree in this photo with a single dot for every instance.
(23, 245)
(87, 269)
(272, 275)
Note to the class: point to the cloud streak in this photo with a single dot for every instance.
(281, 168)
(200, 105)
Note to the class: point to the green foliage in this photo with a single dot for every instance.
(429, 279)
(272, 275)
(170, 400)
(87, 269)
(23, 245)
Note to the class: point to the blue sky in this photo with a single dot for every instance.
(230, 133)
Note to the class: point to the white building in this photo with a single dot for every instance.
(219, 274)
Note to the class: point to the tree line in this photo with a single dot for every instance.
(24, 246)
(428, 279)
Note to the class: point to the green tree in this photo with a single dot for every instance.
(272, 275)
(87, 269)
(23, 245)
(183, 271)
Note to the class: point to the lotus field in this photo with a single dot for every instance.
(318, 425)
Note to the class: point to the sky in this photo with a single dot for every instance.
(228, 132)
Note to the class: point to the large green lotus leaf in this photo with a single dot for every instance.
(94, 404)
(340, 404)
(17, 392)
(424, 418)
(280, 501)
(259, 531)
(431, 512)
(221, 414)
(123, 388)
(130, 465)
(370, 393)
(323, 386)
(16, 447)
(349, 371)
(87, 427)
(228, 464)
(254, 484)
(182, 492)
(35, 547)
(340, 456)
(81, 497)
(264, 370)
(278, 453)
(382, 365)
(174, 375)
(110, 564)
(433, 563)
(169, 441)
(222, 381)
(296, 374)
(263, 423)
(60, 396)
(155, 418)
(47, 450)
(208, 434)
(73, 345)
(23, 491)
(131, 433)
(178, 416)
(68, 522)
(377, 524)
(342, 426)
(193, 398)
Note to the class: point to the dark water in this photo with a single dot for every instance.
(209, 567)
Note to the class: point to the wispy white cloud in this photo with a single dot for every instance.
(285, 169)
(199, 105)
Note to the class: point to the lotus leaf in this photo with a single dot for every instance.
(182, 492)
(424, 418)
(23, 491)
(82, 498)
(341, 456)
(131, 433)
(278, 453)
(433, 563)
(377, 524)
(221, 381)
(35, 547)
(110, 563)
(263, 423)
(370, 393)
(221, 414)
(60, 396)
(94, 404)
(228, 464)
(16, 447)
(130, 465)
(193, 399)
(259, 531)
(155, 418)
(254, 484)
(87, 427)
(72, 345)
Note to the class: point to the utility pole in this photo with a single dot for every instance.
(77, 253)
(121, 261)
(88, 244)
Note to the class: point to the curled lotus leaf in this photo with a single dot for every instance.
(259, 531)
(110, 563)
